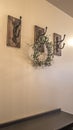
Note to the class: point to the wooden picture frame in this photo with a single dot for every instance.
(57, 46)
(37, 33)
(14, 32)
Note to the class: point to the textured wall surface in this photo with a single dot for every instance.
(24, 90)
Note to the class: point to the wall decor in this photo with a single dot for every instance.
(38, 31)
(14, 31)
(57, 41)
(43, 49)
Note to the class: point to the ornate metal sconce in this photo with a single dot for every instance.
(58, 43)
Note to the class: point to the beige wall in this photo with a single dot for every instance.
(24, 90)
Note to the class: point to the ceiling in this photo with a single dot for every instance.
(64, 5)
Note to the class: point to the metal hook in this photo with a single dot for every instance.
(20, 17)
(58, 43)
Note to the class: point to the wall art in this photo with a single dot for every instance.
(43, 52)
(14, 31)
(58, 45)
(56, 38)
(38, 31)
